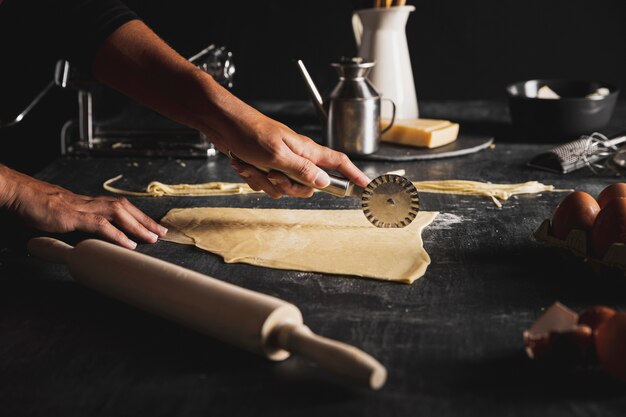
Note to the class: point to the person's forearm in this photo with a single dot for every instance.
(136, 62)
(6, 189)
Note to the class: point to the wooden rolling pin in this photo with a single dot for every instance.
(253, 321)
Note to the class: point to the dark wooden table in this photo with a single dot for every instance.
(452, 341)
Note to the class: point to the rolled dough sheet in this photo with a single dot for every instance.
(328, 241)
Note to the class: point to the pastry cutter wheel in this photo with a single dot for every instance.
(388, 200)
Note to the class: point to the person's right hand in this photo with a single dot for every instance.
(276, 147)
(258, 140)
(51, 208)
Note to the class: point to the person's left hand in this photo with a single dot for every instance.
(54, 209)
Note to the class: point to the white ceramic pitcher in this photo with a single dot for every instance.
(381, 37)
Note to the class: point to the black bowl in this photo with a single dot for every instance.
(567, 117)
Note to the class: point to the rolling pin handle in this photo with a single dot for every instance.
(344, 360)
(49, 249)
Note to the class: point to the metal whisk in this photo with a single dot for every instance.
(596, 152)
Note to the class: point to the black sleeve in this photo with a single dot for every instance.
(86, 24)
(68, 29)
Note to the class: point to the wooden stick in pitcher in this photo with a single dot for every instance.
(389, 3)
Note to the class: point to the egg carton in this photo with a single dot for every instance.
(577, 243)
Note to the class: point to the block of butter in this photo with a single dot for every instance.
(423, 133)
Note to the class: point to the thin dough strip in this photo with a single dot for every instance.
(496, 192)
(159, 189)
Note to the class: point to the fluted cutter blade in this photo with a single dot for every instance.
(390, 201)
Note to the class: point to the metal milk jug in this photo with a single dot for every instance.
(352, 112)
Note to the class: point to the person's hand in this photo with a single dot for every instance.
(51, 208)
(261, 141)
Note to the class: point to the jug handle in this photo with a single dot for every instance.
(393, 115)
(357, 28)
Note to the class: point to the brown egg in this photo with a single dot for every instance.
(609, 227)
(616, 190)
(595, 316)
(610, 344)
(577, 210)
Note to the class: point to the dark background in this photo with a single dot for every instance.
(459, 50)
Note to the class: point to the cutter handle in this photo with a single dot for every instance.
(339, 186)
(347, 362)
